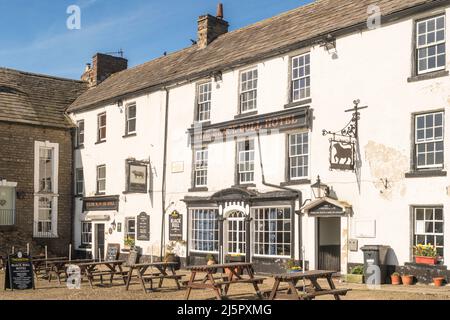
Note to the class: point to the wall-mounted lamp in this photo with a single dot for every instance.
(329, 42)
(120, 103)
(113, 225)
(217, 76)
(320, 189)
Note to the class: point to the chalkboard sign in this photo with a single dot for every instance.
(175, 226)
(19, 272)
(143, 227)
(112, 252)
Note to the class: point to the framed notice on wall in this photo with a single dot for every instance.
(175, 226)
(137, 173)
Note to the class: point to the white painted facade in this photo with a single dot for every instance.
(373, 66)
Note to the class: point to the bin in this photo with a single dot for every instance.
(375, 255)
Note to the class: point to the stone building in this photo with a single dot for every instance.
(229, 135)
(36, 161)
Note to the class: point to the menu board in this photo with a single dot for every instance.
(175, 226)
(143, 227)
(112, 252)
(19, 272)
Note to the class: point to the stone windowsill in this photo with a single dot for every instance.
(295, 182)
(199, 189)
(135, 192)
(298, 103)
(246, 114)
(426, 174)
(100, 142)
(129, 135)
(429, 76)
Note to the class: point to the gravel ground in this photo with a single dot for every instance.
(52, 291)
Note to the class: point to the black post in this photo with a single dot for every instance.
(248, 219)
(221, 221)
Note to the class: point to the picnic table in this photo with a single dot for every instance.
(111, 268)
(40, 264)
(58, 267)
(232, 273)
(306, 292)
(161, 274)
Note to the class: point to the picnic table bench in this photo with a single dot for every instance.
(232, 273)
(307, 292)
(59, 267)
(161, 274)
(113, 268)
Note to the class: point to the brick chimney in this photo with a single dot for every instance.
(102, 67)
(209, 27)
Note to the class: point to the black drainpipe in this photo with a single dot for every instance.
(163, 189)
(299, 196)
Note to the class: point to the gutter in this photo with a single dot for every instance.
(164, 177)
(299, 196)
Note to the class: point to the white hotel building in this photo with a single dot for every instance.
(289, 78)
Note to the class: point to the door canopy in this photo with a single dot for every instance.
(327, 207)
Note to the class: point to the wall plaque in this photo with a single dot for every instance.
(143, 227)
(175, 226)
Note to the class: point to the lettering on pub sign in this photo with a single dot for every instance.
(175, 226)
(101, 203)
(19, 272)
(143, 227)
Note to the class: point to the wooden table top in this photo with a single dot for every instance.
(220, 266)
(100, 263)
(303, 275)
(49, 259)
(153, 264)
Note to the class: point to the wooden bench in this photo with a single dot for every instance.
(312, 295)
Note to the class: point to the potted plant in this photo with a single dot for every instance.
(438, 281)
(292, 267)
(129, 243)
(396, 279)
(425, 254)
(407, 279)
(210, 259)
(171, 256)
(356, 275)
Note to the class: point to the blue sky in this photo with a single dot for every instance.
(35, 38)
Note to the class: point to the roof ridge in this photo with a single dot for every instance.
(40, 75)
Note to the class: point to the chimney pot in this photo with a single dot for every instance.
(219, 14)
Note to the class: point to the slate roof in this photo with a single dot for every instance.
(244, 45)
(37, 99)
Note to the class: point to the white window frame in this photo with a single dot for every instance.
(83, 232)
(204, 96)
(80, 132)
(306, 77)
(12, 186)
(426, 234)
(79, 182)
(242, 161)
(100, 127)
(246, 88)
(427, 45)
(129, 119)
(127, 232)
(236, 225)
(300, 155)
(102, 179)
(192, 230)
(426, 141)
(201, 167)
(53, 195)
(256, 231)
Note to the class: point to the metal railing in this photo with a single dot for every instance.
(7, 217)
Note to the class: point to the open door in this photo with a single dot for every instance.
(329, 243)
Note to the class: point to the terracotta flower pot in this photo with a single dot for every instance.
(396, 280)
(426, 260)
(438, 281)
(407, 280)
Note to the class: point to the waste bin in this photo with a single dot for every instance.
(375, 255)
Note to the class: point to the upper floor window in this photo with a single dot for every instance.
(430, 44)
(429, 140)
(130, 119)
(101, 127)
(204, 102)
(80, 133)
(301, 79)
(201, 168)
(79, 181)
(246, 161)
(101, 179)
(298, 155)
(248, 90)
(46, 169)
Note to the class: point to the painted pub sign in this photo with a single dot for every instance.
(175, 226)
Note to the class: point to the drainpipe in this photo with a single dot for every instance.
(163, 192)
(299, 196)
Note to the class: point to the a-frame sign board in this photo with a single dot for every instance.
(19, 272)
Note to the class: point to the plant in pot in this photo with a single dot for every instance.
(425, 254)
(210, 259)
(171, 256)
(292, 267)
(396, 279)
(407, 279)
(438, 281)
(129, 243)
(234, 258)
(356, 275)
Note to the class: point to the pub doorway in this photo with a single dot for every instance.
(99, 240)
(329, 243)
(235, 235)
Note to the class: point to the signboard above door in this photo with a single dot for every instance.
(327, 207)
(104, 203)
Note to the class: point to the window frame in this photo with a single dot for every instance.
(433, 234)
(126, 231)
(80, 133)
(203, 169)
(251, 162)
(418, 47)
(200, 102)
(253, 89)
(88, 233)
(78, 182)
(292, 80)
(416, 141)
(193, 239)
(98, 191)
(290, 157)
(128, 119)
(100, 127)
